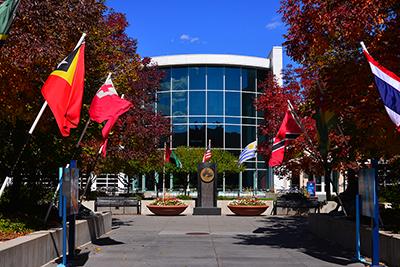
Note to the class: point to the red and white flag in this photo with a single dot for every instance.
(289, 130)
(207, 154)
(107, 106)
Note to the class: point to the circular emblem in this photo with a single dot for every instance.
(207, 175)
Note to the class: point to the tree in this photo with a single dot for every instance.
(324, 37)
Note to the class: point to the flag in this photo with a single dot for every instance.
(63, 90)
(8, 10)
(325, 120)
(107, 106)
(175, 160)
(207, 154)
(167, 152)
(289, 130)
(249, 152)
(388, 85)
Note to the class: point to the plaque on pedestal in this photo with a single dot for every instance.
(206, 203)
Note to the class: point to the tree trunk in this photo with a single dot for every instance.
(327, 175)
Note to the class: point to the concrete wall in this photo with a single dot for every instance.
(344, 234)
(41, 247)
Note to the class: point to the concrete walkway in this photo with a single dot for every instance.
(211, 241)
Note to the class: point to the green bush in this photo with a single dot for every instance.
(8, 226)
(183, 197)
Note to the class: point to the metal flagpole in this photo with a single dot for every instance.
(255, 178)
(163, 179)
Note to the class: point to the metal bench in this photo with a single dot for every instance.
(117, 202)
(298, 205)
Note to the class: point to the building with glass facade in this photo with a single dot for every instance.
(211, 97)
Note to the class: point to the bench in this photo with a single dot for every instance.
(298, 205)
(117, 202)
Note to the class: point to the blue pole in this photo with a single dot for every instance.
(63, 213)
(358, 254)
(375, 224)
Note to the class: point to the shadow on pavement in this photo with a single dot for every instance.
(117, 223)
(79, 259)
(291, 232)
(106, 241)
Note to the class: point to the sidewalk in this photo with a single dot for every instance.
(211, 241)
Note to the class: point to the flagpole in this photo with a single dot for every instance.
(163, 179)
(255, 178)
(296, 118)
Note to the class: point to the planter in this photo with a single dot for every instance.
(248, 210)
(167, 210)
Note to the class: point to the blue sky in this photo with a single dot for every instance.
(170, 27)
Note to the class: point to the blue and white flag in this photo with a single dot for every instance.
(388, 85)
(248, 152)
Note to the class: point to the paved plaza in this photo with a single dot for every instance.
(211, 241)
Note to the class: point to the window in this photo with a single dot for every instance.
(215, 134)
(232, 79)
(232, 104)
(180, 135)
(249, 80)
(197, 136)
(216, 120)
(163, 103)
(232, 120)
(179, 103)
(248, 109)
(214, 103)
(232, 136)
(197, 119)
(179, 78)
(165, 84)
(215, 77)
(197, 78)
(197, 103)
(248, 135)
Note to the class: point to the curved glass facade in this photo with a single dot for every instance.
(215, 102)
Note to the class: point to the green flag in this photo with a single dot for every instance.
(176, 160)
(325, 121)
(7, 13)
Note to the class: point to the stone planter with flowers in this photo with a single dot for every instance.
(167, 206)
(248, 206)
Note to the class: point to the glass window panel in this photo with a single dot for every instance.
(232, 136)
(236, 152)
(248, 108)
(249, 80)
(179, 103)
(197, 136)
(165, 84)
(197, 104)
(197, 119)
(215, 120)
(179, 78)
(179, 135)
(261, 75)
(232, 104)
(232, 79)
(163, 103)
(250, 165)
(248, 135)
(179, 119)
(215, 134)
(248, 121)
(215, 77)
(260, 113)
(247, 179)
(197, 78)
(232, 120)
(215, 103)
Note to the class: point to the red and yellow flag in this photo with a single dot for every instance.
(63, 90)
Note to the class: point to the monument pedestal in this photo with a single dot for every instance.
(206, 211)
(206, 203)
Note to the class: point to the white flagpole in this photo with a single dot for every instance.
(163, 179)
(364, 47)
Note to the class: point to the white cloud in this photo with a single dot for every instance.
(188, 38)
(274, 23)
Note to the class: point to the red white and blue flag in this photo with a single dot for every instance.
(207, 154)
(388, 85)
(288, 131)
